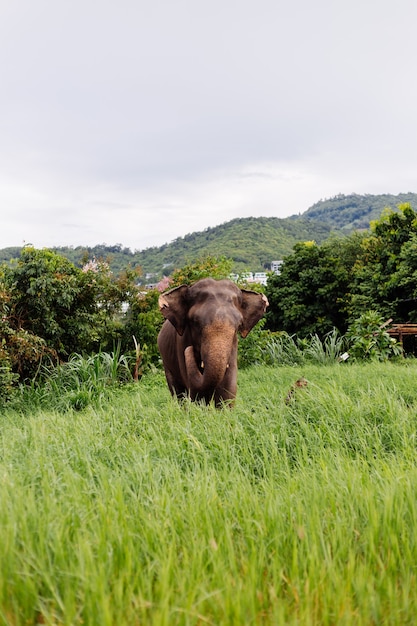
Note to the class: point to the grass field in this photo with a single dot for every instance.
(146, 512)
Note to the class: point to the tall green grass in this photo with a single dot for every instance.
(142, 511)
(75, 384)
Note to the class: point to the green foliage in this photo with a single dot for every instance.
(405, 281)
(393, 228)
(251, 349)
(327, 286)
(52, 308)
(8, 378)
(368, 339)
(21, 352)
(26, 352)
(8, 254)
(326, 350)
(309, 296)
(378, 280)
(52, 299)
(142, 324)
(263, 347)
(251, 242)
(283, 349)
(117, 257)
(205, 267)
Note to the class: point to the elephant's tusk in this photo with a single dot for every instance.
(202, 365)
(227, 366)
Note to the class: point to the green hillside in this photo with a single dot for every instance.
(251, 242)
(354, 211)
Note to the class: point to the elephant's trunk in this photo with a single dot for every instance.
(218, 347)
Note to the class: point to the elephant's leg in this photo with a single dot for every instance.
(226, 392)
(175, 386)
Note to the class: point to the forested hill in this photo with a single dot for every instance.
(354, 211)
(251, 242)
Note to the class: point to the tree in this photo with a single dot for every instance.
(142, 323)
(70, 309)
(209, 266)
(333, 284)
(310, 295)
(21, 351)
(384, 277)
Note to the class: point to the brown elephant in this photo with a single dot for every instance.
(198, 340)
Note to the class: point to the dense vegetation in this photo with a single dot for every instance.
(330, 285)
(137, 510)
(51, 309)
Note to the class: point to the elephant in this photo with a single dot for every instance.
(198, 340)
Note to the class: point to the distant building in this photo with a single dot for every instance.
(261, 278)
(276, 266)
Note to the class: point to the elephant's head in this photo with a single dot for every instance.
(209, 314)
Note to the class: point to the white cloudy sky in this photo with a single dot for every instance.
(138, 121)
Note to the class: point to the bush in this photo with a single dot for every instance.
(142, 324)
(368, 339)
(7, 378)
(251, 350)
(206, 267)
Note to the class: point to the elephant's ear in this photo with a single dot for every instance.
(253, 308)
(174, 307)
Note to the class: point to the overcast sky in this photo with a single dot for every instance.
(139, 121)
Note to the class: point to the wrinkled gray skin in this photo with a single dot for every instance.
(198, 340)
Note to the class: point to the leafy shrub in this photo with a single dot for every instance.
(205, 267)
(21, 351)
(143, 322)
(251, 350)
(7, 378)
(369, 340)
